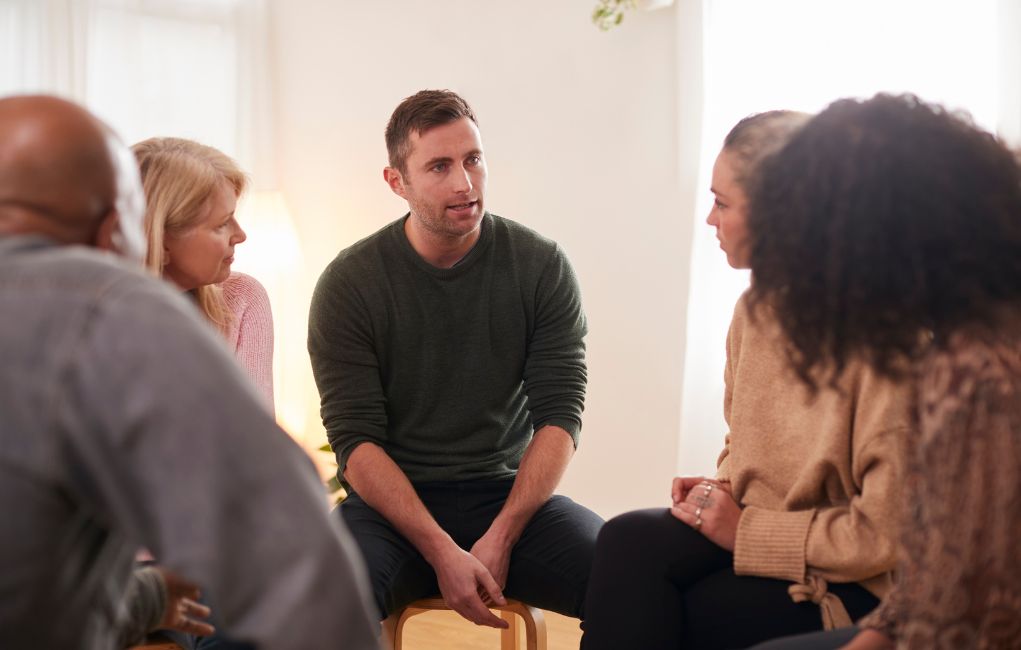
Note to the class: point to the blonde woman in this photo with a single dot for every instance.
(191, 193)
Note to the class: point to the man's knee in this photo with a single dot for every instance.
(398, 574)
(562, 512)
(566, 532)
(550, 564)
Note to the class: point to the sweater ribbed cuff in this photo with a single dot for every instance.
(571, 426)
(771, 543)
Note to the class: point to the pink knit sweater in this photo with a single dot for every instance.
(251, 333)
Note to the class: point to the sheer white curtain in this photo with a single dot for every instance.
(43, 46)
(165, 68)
(189, 68)
(802, 54)
(1009, 41)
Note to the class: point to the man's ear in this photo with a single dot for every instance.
(107, 236)
(110, 236)
(395, 180)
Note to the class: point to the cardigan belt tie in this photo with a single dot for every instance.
(815, 589)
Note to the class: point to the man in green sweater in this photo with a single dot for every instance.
(449, 355)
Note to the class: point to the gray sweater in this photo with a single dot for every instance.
(449, 370)
(124, 422)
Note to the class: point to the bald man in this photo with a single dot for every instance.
(125, 423)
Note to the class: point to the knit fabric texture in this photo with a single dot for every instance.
(816, 475)
(250, 335)
(451, 370)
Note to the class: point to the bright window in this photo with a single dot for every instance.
(147, 67)
(803, 54)
(165, 69)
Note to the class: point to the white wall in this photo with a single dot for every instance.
(1009, 21)
(580, 130)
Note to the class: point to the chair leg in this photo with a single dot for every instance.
(393, 627)
(535, 625)
(509, 638)
(535, 629)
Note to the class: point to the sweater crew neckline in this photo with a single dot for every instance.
(463, 265)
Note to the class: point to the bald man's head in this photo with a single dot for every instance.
(65, 175)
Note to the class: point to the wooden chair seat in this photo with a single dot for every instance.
(535, 623)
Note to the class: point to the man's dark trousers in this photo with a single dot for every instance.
(549, 565)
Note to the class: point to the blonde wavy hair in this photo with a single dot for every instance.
(179, 176)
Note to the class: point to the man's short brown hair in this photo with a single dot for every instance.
(417, 114)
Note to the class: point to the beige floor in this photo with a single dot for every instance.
(448, 631)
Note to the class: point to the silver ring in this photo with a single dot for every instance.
(698, 513)
(698, 523)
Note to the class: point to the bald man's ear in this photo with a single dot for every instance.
(110, 237)
(395, 180)
(107, 233)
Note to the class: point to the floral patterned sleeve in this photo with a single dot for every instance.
(959, 583)
(888, 615)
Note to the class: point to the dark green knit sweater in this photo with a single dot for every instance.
(448, 370)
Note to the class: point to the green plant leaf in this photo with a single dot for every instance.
(610, 13)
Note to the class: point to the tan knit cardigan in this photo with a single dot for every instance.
(817, 476)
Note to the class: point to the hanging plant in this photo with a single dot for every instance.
(609, 13)
(333, 487)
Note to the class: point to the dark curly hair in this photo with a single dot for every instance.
(880, 228)
(757, 136)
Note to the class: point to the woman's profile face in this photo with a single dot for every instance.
(203, 254)
(728, 212)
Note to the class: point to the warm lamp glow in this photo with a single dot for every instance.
(272, 245)
(272, 254)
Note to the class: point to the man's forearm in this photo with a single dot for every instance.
(541, 469)
(463, 580)
(384, 487)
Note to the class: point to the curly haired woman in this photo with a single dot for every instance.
(795, 533)
(889, 230)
